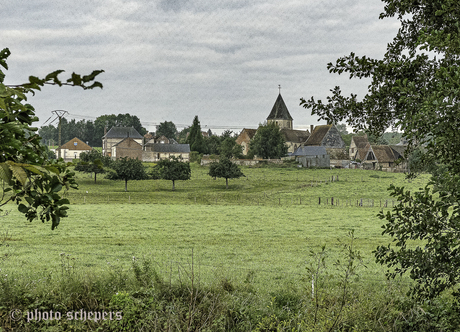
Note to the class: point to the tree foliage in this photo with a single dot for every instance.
(268, 142)
(167, 128)
(195, 138)
(28, 177)
(88, 131)
(93, 162)
(415, 87)
(225, 169)
(173, 169)
(127, 169)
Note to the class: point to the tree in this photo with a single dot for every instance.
(195, 138)
(93, 162)
(173, 169)
(225, 169)
(342, 128)
(128, 169)
(182, 136)
(268, 142)
(415, 87)
(167, 129)
(228, 148)
(112, 120)
(28, 177)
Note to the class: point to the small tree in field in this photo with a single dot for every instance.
(225, 169)
(128, 169)
(173, 169)
(93, 162)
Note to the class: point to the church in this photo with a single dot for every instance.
(279, 115)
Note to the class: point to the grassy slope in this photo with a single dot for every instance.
(240, 230)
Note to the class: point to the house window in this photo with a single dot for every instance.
(352, 150)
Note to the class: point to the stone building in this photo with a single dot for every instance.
(154, 152)
(294, 138)
(244, 138)
(312, 156)
(127, 147)
(329, 137)
(72, 149)
(116, 135)
(358, 147)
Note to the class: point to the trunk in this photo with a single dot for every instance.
(174, 188)
(226, 181)
(95, 177)
(126, 185)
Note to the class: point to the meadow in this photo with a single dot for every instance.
(265, 231)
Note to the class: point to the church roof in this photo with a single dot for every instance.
(279, 110)
(296, 136)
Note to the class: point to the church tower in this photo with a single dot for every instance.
(280, 114)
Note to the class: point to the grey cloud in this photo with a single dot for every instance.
(172, 5)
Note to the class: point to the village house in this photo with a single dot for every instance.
(385, 158)
(244, 138)
(149, 138)
(312, 156)
(128, 147)
(358, 147)
(329, 137)
(154, 152)
(72, 149)
(115, 135)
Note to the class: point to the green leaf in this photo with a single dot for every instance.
(63, 201)
(22, 208)
(57, 188)
(18, 172)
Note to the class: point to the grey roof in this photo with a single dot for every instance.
(122, 132)
(310, 151)
(279, 110)
(297, 136)
(172, 148)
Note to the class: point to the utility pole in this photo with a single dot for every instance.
(60, 114)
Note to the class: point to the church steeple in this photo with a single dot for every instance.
(280, 114)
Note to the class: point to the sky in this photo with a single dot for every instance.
(169, 60)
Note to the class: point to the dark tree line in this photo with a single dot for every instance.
(88, 131)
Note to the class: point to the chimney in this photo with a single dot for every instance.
(311, 128)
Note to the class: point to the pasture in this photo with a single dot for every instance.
(266, 224)
(262, 230)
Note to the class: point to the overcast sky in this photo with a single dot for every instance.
(169, 60)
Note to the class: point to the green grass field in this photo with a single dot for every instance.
(265, 225)
(204, 258)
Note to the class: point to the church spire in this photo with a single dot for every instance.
(280, 114)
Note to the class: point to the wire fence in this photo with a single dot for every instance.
(260, 199)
